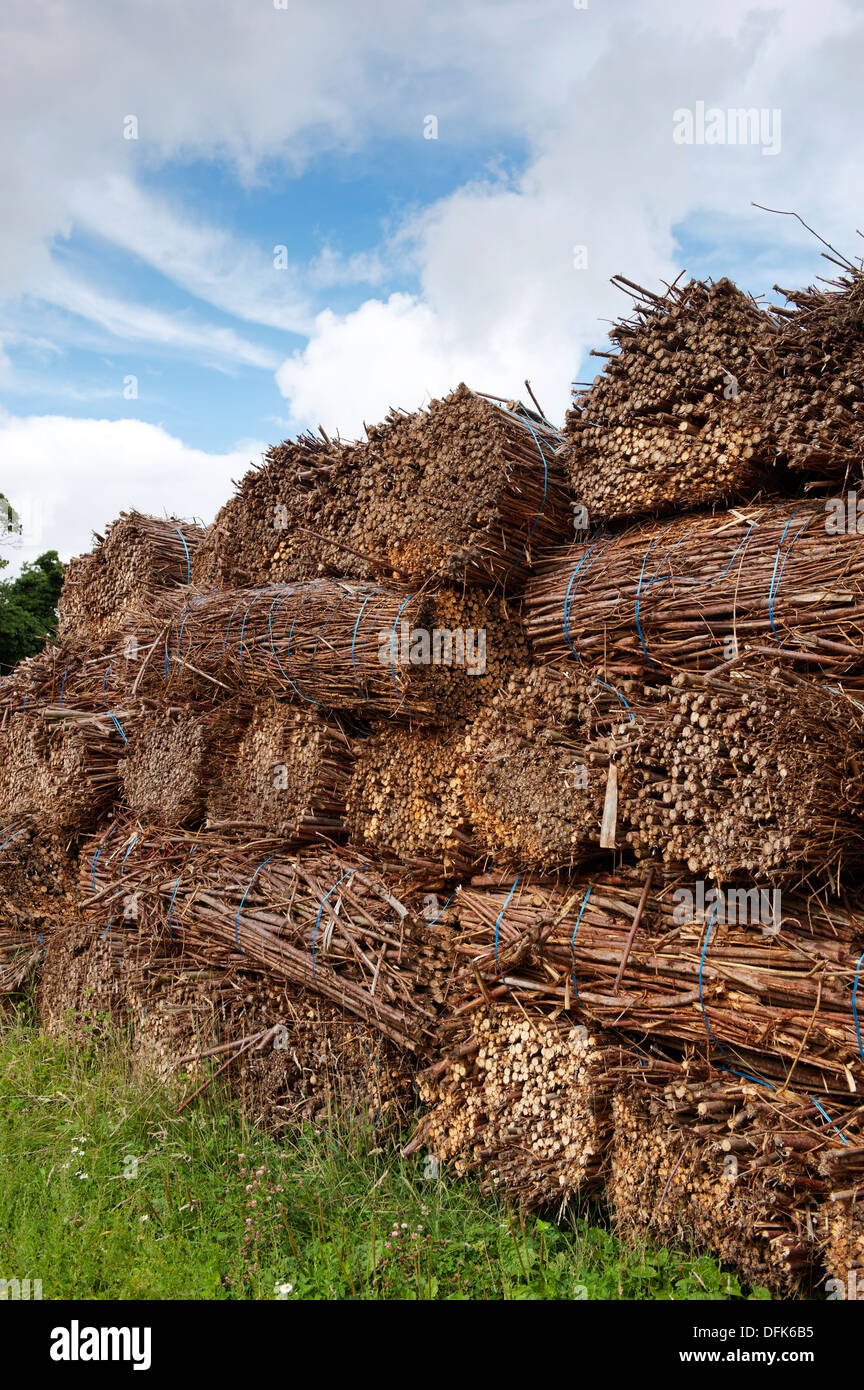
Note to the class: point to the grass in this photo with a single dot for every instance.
(106, 1193)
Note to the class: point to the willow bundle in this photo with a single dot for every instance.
(747, 775)
(80, 986)
(537, 766)
(467, 490)
(700, 591)
(844, 1246)
(286, 1055)
(322, 1066)
(810, 392)
(666, 424)
(321, 920)
(175, 757)
(326, 643)
(64, 765)
(698, 1160)
(36, 878)
(476, 642)
(20, 785)
(526, 1100)
(288, 774)
(618, 953)
(405, 800)
(35, 894)
(138, 558)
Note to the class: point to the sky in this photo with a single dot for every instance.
(229, 221)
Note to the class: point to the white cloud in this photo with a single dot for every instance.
(67, 477)
(500, 297)
(234, 275)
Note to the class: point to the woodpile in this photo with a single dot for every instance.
(698, 592)
(467, 490)
(404, 800)
(666, 424)
(175, 756)
(737, 775)
(810, 379)
(138, 558)
(287, 774)
(386, 781)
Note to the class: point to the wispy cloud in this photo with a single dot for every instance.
(135, 323)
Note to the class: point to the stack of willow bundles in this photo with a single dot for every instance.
(537, 766)
(321, 920)
(466, 490)
(287, 773)
(727, 1163)
(699, 591)
(747, 774)
(175, 756)
(138, 558)
(526, 1100)
(617, 952)
(810, 393)
(665, 425)
(405, 800)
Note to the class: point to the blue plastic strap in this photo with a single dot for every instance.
(243, 899)
(830, 1121)
(356, 869)
(186, 548)
(573, 942)
(498, 920)
(376, 590)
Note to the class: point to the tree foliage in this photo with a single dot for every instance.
(28, 608)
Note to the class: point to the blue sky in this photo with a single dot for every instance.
(411, 263)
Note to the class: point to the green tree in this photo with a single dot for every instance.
(28, 608)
